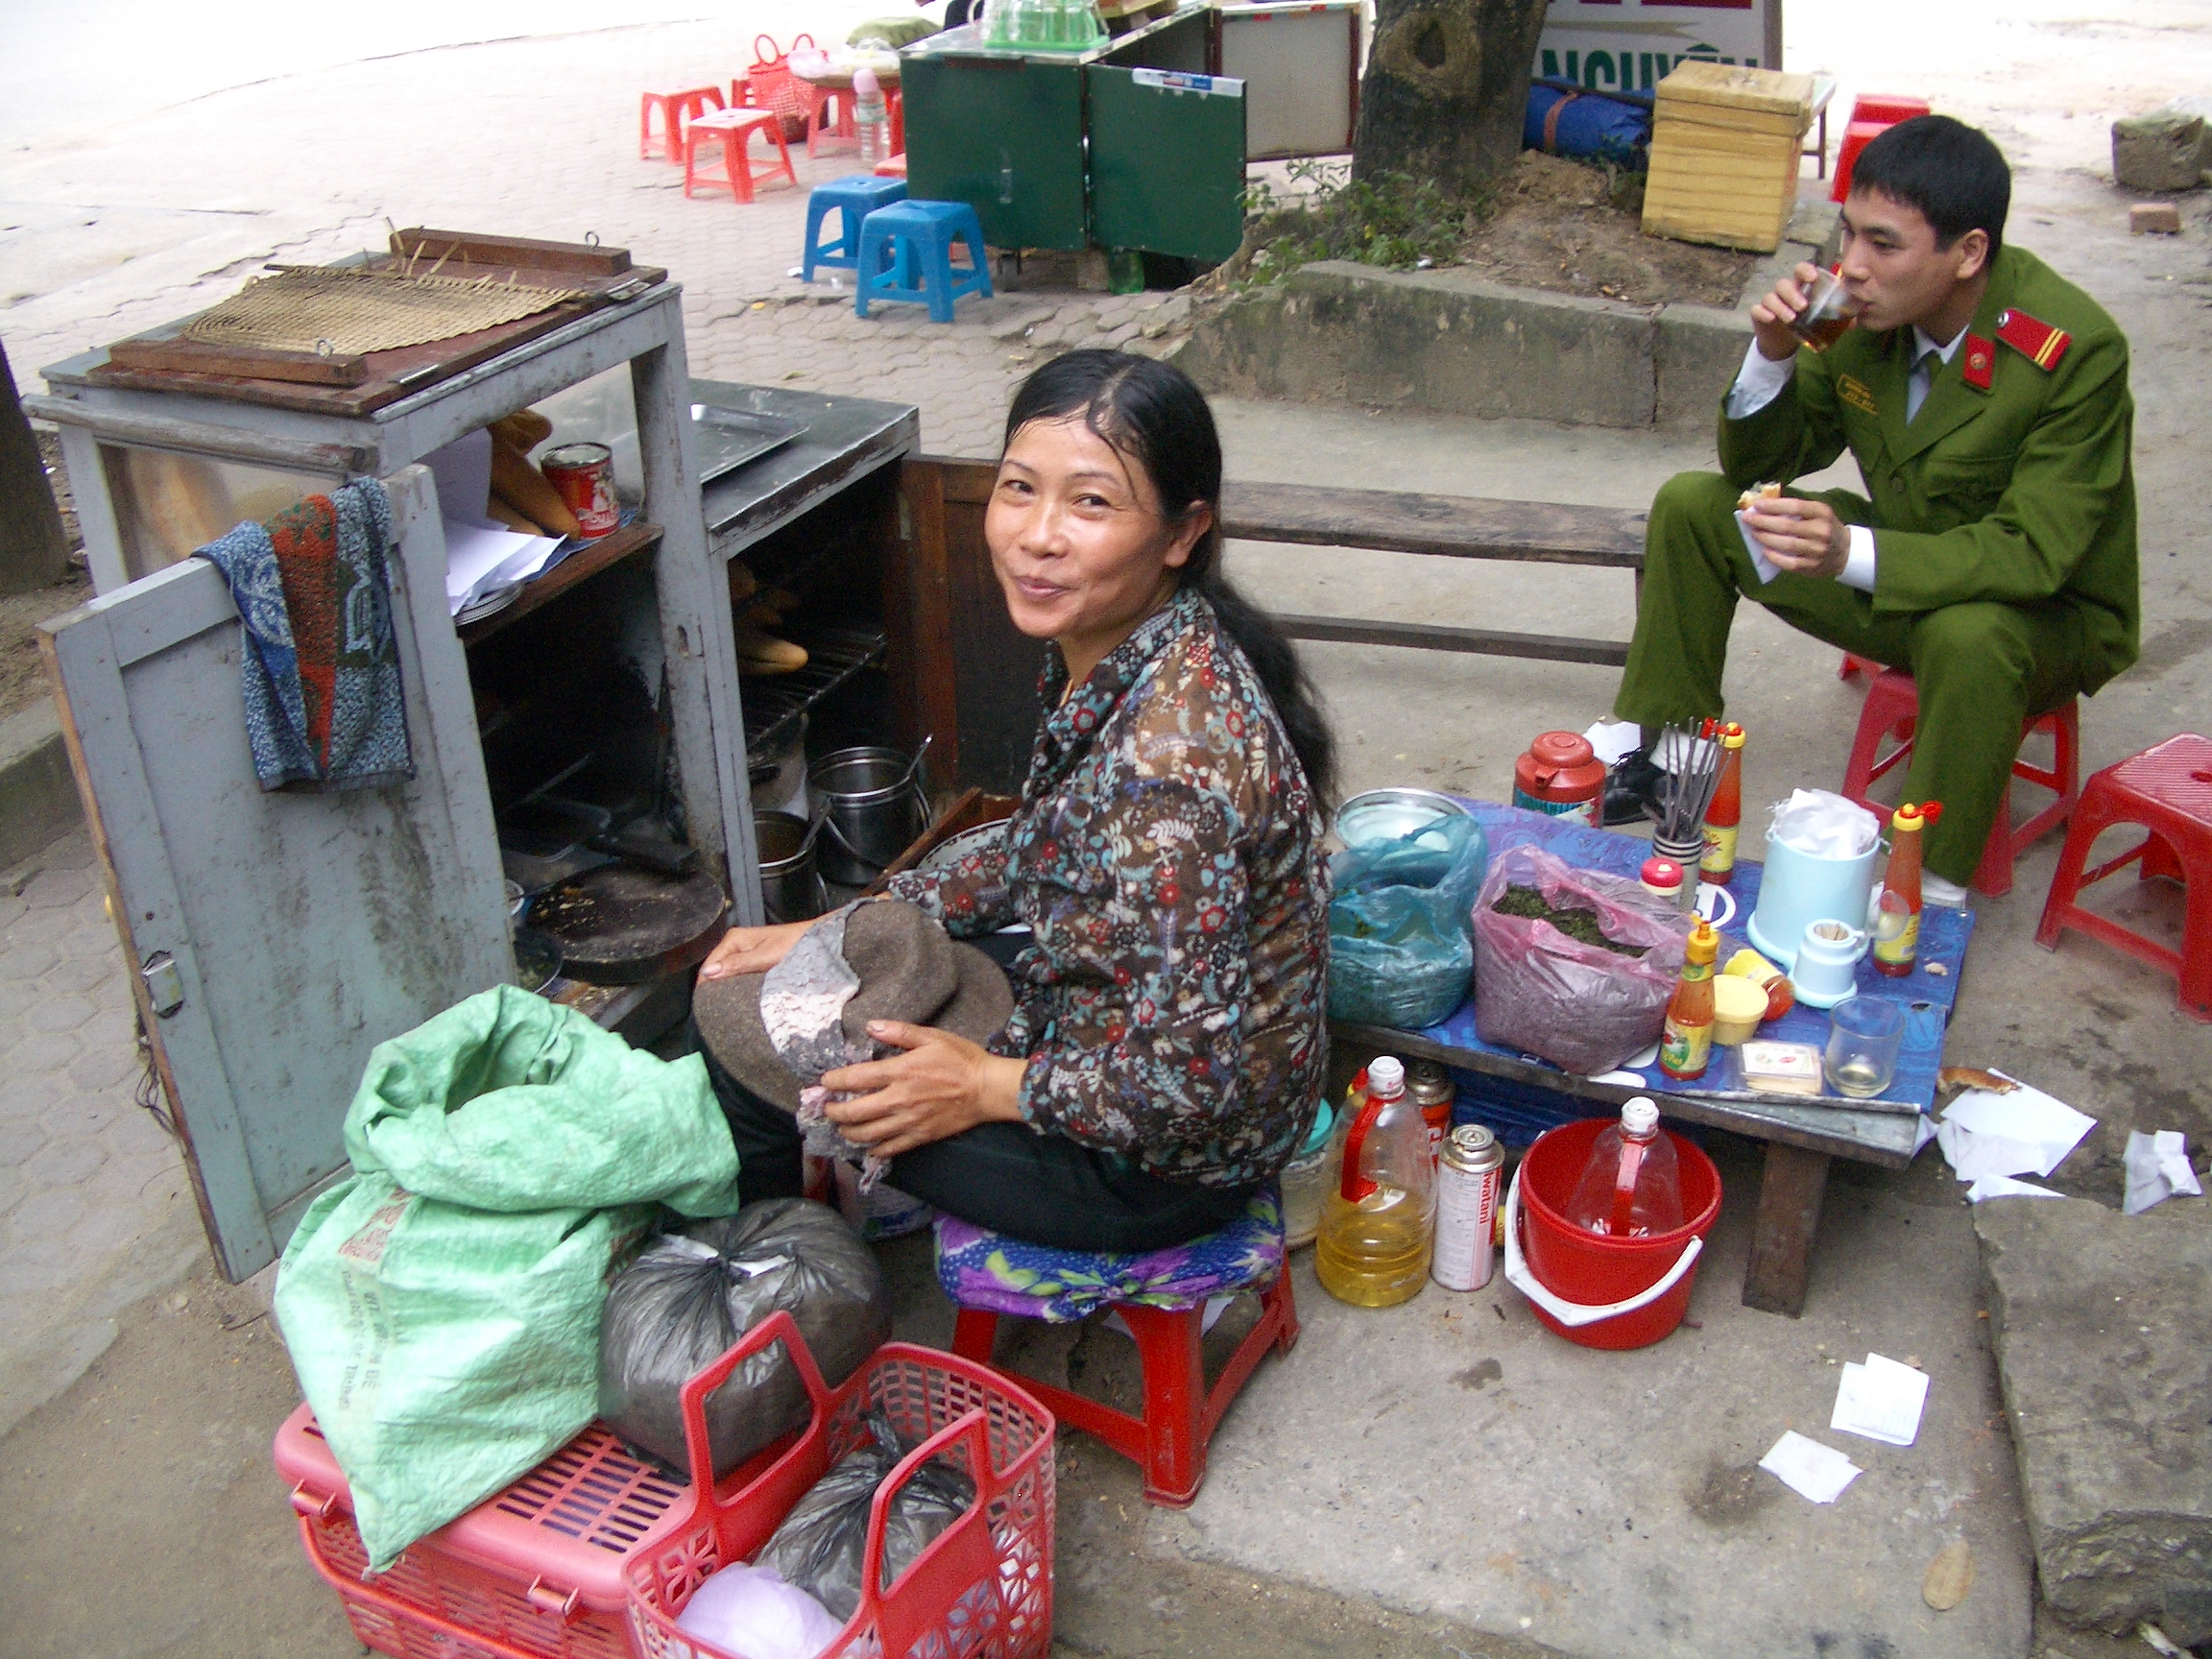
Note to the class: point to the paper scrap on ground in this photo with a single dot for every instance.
(2157, 1169)
(2005, 1186)
(1767, 567)
(2024, 1133)
(1216, 1306)
(1808, 1468)
(1880, 1400)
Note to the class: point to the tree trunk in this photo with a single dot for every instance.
(33, 552)
(1446, 90)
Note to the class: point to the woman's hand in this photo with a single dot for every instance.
(752, 949)
(942, 1085)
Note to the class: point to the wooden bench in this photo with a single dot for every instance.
(1446, 526)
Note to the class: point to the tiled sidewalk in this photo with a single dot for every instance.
(96, 1210)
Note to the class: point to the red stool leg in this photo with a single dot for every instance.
(783, 153)
(973, 1332)
(2194, 994)
(1993, 875)
(1167, 1344)
(736, 146)
(691, 159)
(645, 126)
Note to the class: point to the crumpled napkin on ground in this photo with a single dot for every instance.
(2157, 1169)
(2024, 1133)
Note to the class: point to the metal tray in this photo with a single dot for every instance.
(728, 438)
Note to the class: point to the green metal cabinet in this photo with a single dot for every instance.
(1127, 146)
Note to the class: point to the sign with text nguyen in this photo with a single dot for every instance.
(1628, 45)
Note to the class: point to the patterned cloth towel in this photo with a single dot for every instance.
(803, 1001)
(323, 706)
(989, 1271)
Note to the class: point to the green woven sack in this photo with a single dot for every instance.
(442, 1305)
(893, 31)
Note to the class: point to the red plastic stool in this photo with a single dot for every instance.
(892, 166)
(1892, 710)
(1168, 1442)
(676, 108)
(2168, 792)
(1887, 107)
(733, 130)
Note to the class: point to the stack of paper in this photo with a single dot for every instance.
(1880, 1400)
(482, 558)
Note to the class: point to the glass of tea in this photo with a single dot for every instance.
(1864, 1034)
(1829, 310)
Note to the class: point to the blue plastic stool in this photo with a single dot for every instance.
(851, 198)
(906, 255)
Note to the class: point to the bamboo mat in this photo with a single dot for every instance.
(347, 310)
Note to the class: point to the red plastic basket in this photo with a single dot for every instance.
(773, 86)
(983, 1587)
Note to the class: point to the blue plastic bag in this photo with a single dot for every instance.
(1401, 940)
(1590, 127)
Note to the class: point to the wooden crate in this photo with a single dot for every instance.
(1724, 155)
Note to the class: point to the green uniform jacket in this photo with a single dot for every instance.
(2022, 493)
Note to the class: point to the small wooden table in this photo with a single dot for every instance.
(1801, 1135)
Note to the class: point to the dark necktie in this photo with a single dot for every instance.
(1921, 381)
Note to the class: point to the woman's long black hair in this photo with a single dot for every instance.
(1154, 414)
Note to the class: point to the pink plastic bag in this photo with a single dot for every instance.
(1583, 1008)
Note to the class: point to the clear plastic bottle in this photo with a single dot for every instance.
(1304, 1180)
(1377, 1222)
(871, 116)
(1631, 1187)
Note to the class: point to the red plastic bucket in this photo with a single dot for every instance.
(1572, 1265)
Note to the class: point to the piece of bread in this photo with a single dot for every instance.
(525, 429)
(500, 512)
(1758, 495)
(526, 490)
(763, 654)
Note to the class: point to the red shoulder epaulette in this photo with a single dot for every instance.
(2033, 338)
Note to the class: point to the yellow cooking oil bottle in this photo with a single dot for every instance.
(1379, 1221)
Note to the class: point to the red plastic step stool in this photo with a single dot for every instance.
(1872, 113)
(733, 130)
(2167, 791)
(676, 108)
(1891, 711)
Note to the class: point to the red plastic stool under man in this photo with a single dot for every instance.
(2167, 791)
(733, 130)
(676, 108)
(1891, 711)
(1871, 115)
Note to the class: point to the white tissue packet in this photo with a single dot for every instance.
(1823, 825)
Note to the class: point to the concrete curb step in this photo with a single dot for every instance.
(1446, 342)
(38, 792)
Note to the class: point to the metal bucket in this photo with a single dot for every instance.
(872, 805)
(791, 888)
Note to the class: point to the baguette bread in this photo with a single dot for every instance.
(525, 429)
(525, 490)
(500, 511)
(1757, 497)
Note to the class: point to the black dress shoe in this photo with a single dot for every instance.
(1635, 789)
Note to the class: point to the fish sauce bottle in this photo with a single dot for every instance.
(1378, 1223)
(1686, 1045)
(1724, 815)
(1897, 912)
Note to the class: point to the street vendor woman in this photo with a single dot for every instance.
(1163, 1057)
(1985, 400)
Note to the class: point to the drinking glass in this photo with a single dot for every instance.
(1863, 1036)
(1829, 310)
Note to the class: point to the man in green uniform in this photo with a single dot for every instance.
(1985, 400)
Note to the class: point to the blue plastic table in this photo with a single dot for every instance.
(1801, 1132)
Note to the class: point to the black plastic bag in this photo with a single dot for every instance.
(688, 1296)
(823, 1543)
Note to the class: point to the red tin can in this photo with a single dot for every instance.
(584, 473)
(1560, 774)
